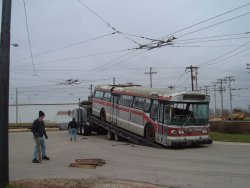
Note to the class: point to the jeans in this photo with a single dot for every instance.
(73, 132)
(43, 148)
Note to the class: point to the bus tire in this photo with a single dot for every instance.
(103, 115)
(111, 135)
(117, 138)
(150, 132)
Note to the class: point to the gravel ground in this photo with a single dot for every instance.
(79, 183)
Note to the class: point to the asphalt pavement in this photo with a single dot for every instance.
(222, 165)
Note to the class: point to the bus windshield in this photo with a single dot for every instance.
(179, 113)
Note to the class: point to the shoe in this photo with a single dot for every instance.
(35, 161)
(45, 158)
(71, 139)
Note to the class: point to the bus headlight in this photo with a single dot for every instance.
(204, 131)
(180, 131)
(173, 132)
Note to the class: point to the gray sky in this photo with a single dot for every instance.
(72, 39)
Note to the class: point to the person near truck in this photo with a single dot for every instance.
(39, 132)
(73, 128)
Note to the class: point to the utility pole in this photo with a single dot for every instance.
(16, 106)
(192, 69)
(150, 74)
(221, 81)
(196, 79)
(113, 80)
(230, 79)
(214, 84)
(4, 92)
(206, 89)
(91, 90)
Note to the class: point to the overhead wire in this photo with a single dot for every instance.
(203, 21)
(223, 55)
(108, 24)
(218, 23)
(64, 47)
(27, 29)
(79, 57)
(137, 43)
(226, 58)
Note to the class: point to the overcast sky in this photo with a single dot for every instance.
(93, 41)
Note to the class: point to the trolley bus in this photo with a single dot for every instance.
(160, 115)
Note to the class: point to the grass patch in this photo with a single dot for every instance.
(216, 136)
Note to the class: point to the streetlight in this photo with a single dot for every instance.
(15, 44)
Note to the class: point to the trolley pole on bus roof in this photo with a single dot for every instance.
(4, 92)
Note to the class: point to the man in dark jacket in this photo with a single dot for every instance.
(39, 132)
(73, 128)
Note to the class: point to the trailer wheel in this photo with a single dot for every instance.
(111, 135)
(101, 131)
(117, 137)
(150, 133)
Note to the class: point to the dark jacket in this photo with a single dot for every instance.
(73, 124)
(38, 129)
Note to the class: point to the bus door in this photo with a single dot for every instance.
(160, 130)
(114, 113)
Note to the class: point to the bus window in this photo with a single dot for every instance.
(125, 100)
(107, 96)
(98, 94)
(154, 110)
(141, 103)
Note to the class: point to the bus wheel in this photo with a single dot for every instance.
(150, 133)
(103, 115)
(117, 137)
(111, 135)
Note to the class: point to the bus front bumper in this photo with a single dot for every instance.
(190, 142)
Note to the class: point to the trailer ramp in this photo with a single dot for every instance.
(124, 133)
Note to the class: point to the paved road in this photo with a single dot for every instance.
(220, 165)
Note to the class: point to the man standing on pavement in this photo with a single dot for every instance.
(73, 127)
(39, 132)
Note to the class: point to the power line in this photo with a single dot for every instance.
(211, 18)
(27, 28)
(206, 21)
(223, 55)
(216, 36)
(67, 46)
(108, 63)
(218, 23)
(211, 40)
(108, 24)
(79, 57)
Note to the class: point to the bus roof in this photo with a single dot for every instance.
(160, 94)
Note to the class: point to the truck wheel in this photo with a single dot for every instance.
(150, 133)
(111, 135)
(85, 130)
(117, 137)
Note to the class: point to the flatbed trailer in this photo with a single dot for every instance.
(116, 133)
